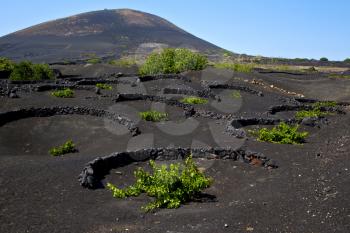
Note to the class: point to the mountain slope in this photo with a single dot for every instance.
(104, 33)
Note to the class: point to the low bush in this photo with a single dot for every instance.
(173, 61)
(27, 71)
(243, 68)
(94, 60)
(347, 60)
(6, 65)
(104, 86)
(170, 185)
(282, 133)
(67, 147)
(321, 104)
(65, 93)
(153, 116)
(316, 111)
(323, 59)
(194, 100)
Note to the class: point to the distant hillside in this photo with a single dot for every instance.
(105, 33)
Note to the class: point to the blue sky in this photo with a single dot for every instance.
(279, 28)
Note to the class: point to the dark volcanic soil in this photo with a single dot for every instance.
(308, 192)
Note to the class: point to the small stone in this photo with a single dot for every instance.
(226, 225)
(97, 90)
(218, 98)
(13, 95)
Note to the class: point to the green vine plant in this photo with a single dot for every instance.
(316, 111)
(65, 93)
(153, 116)
(282, 134)
(67, 147)
(171, 185)
(194, 100)
(104, 86)
(236, 95)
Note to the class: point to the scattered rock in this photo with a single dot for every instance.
(13, 94)
(98, 90)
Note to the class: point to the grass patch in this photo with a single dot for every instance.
(94, 60)
(316, 110)
(324, 104)
(237, 67)
(172, 60)
(236, 95)
(123, 62)
(67, 147)
(170, 185)
(282, 134)
(104, 86)
(65, 93)
(194, 100)
(153, 116)
(6, 65)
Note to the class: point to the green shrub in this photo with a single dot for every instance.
(173, 61)
(170, 185)
(321, 104)
(123, 62)
(153, 116)
(104, 86)
(23, 71)
(347, 60)
(42, 72)
(67, 147)
(236, 95)
(27, 71)
(310, 113)
(65, 93)
(243, 68)
(323, 59)
(283, 134)
(94, 60)
(194, 100)
(6, 65)
(187, 60)
(316, 110)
